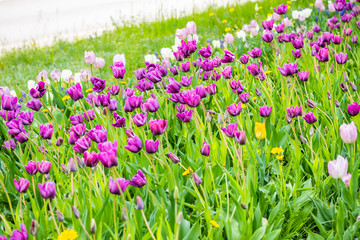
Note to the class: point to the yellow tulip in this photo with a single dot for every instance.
(260, 132)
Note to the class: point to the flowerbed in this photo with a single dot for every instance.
(235, 139)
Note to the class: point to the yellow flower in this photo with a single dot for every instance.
(45, 110)
(122, 82)
(68, 235)
(311, 4)
(288, 6)
(215, 224)
(243, 106)
(187, 171)
(260, 131)
(211, 14)
(67, 97)
(254, 98)
(269, 14)
(235, 26)
(89, 90)
(260, 7)
(267, 72)
(277, 150)
(227, 29)
(281, 157)
(288, 2)
(232, 9)
(224, 164)
(224, 21)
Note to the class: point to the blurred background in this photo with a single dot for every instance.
(40, 22)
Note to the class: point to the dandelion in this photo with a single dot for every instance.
(277, 150)
(68, 235)
(89, 90)
(187, 171)
(228, 29)
(232, 9)
(224, 21)
(211, 14)
(214, 223)
(67, 97)
(280, 157)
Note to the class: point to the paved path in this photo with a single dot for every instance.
(23, 22)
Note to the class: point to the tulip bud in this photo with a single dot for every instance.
(173, 158)
(64, 169)
(124, 214)
(220, 119)
(303, 139)
(76, 212)
(80, 162)
(346, 78)
(71, 165)
(348, 47)
(289, 85)
(353, 86)
(49, 142)
(59, 141)
(322, 77)
(226, 115)
(343, 87)
(311, 131)
(197, 179)
(139, 203)
(264, 222)
(337, 104)
(311, 103)
(328, 95)
(34, 228)
(243, 205)
(179, 218)
(93, 226)
(331, 68)
(176, 193)
(258, 93)
(288, 119)
(208, 117)
(326, 130)
(47, 176)
(59, 216)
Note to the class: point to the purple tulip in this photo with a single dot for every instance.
(75, 92)
(294, 111)
(310, 35)
(348, 132)
(112, 106)
(338, 168)
(104, 99)
(322, 55)
(231, 129)
(97, 134)
(205, 149)
(27, 117)
(154, 76)
(255, 53)
(152, 104)
(43, 167)
(47, 190)
(240, 137)
(11, 147)
(244, 59)
(296, 53)
(31, 168)
(89, 115)
(158, 126)
(134, 101)
(79, 129)
(99, 84)
(140, 119)
(38, 91)
(73, 138)
(144, 85)
(173, 158)
(15, 127)
(119, 121)
(244, 97)
(114, 90)
(191, 98)
(46, 131)
(205, 51)
(138, 180)
(303, 76)
(310, 118)
(22, 137)
(18, 235)
(82, 145)
(197, 179)
(118, 70)
(118, 186)
(288, 69)
(201, 91)
(91, 159)
(336, 39)
(297, 42)
(280, 28)
(227, 72)
(265, 111)
(8, 102)
(228, 57)
(268, 25)
(186, 81)
(22, 185)
(151, 146)
(140, 73)
(108, 153)
(353, 109)
(185, 116)
(281, 9)
(233, 109)
(267, 37)
(9, 115)
(134, 144)
(255, 68)
(341, 58)
(211, 89)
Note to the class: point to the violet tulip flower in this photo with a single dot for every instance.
(22, 185)
(47, 190)
(158, 126)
